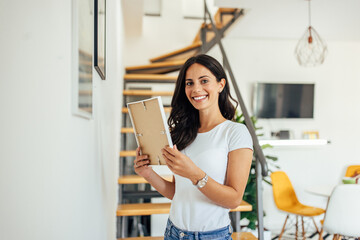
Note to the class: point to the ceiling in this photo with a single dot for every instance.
(334, 20)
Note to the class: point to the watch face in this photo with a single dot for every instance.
(201, 183)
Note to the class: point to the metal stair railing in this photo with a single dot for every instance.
(261, 165)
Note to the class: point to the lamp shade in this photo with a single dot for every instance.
(311, 49)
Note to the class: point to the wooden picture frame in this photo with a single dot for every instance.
(100, 38)
(82, 58)
(150, 128)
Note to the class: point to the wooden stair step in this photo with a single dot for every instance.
(223, 16)
(235, 236)
(183, 53)
(142, 209)
(126, 110)
(224, 19)
(127, 154)
(229, 21)
(150, 78)
(127, 130)
(227, 10)
(209, 34)
(161, 67)
(136, 179)
(147, 93)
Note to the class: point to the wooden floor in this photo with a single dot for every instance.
(235, 236)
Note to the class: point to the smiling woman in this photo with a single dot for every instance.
(211, 157)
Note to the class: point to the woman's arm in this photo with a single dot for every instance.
(141, 166)
(228, 195)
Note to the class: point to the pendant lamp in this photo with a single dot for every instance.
(311, 49)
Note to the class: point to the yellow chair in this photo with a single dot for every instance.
(286, 200)
(352, 171)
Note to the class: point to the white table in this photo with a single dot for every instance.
(324, 191)
(321, 190)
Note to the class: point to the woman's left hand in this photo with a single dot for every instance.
(181, 164)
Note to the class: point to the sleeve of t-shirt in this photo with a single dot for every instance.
(239, 137)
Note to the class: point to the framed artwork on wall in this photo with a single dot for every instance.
(100, 38)
(82, 57)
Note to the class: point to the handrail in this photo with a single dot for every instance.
(259, 155)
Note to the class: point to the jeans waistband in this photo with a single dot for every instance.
(180, 232)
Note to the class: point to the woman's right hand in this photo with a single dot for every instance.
(141, 164)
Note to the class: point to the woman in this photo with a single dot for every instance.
(211, 156)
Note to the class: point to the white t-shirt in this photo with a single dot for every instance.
(190, 209)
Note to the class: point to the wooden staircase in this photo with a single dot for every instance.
(156, 72)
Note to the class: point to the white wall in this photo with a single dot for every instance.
(268, 60)
(336, 115)
(160, 35)
(58, 172)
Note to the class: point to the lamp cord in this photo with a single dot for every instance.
(309, 13)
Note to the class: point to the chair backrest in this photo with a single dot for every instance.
(343, 211)
(352, 170)
(284, 193)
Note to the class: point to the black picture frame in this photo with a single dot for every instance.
(100, 38)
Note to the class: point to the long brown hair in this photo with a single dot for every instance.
(184, 120)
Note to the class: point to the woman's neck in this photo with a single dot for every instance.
(209, 120)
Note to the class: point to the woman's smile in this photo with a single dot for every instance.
(200, 98)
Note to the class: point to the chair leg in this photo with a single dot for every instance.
(317, 229)
(336, 237)
(283, 229)
(321, 234)
(303, 228)
(296, 228)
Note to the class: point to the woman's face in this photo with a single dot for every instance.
(201, 87)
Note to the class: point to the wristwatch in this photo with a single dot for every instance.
(202, 182)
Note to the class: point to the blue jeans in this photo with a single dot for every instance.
(174, 233)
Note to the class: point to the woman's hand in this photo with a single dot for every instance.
(141, 164)
(181, 164)
(142, 168)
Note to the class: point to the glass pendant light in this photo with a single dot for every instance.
(311, 49)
